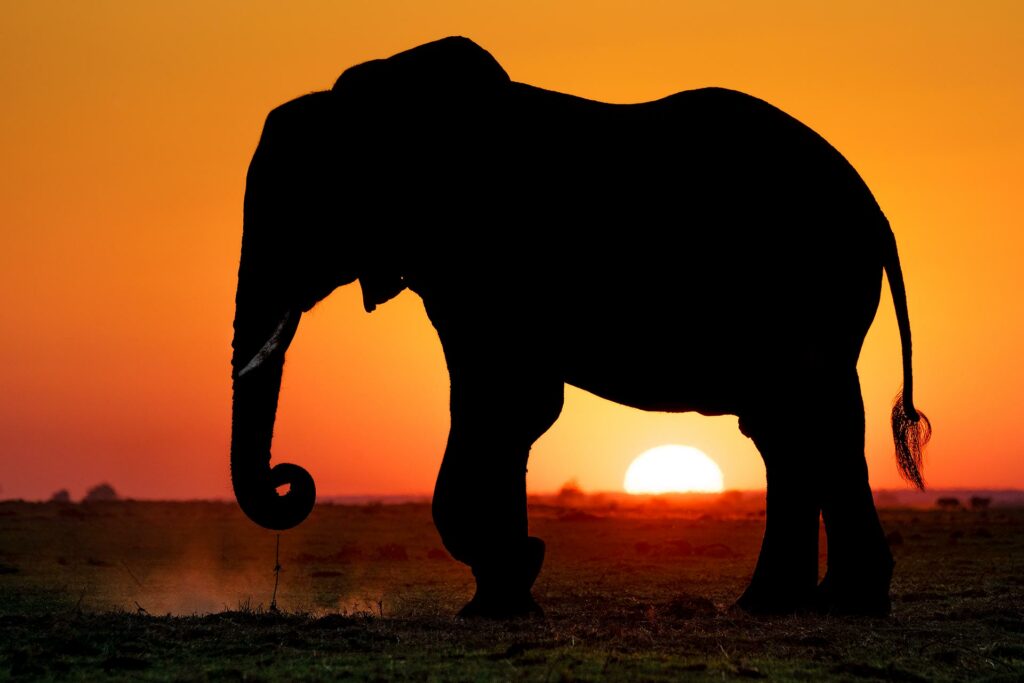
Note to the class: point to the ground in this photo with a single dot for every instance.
(641, 591)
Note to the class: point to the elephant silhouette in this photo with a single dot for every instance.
(703, 252)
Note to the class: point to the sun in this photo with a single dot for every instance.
(673, 469)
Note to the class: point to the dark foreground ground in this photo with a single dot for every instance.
(170, 591)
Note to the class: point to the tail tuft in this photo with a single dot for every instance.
(911, 430)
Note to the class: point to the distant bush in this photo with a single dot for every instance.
(101, 493)
(61, 496)
(980, 503)
(570, 491)
(948, 503)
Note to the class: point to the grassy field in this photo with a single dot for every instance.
(171, 591)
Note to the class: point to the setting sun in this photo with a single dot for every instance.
(673, 469)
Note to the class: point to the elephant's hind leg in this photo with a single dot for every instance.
(480, 498)
(786, 574)
(859, 561)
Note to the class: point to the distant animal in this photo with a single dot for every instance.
(703, 252)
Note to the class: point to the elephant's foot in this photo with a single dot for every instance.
(862, 597)
(784, 582)
(503, 589)
(501, 606)
(759, 598)
(857, 584)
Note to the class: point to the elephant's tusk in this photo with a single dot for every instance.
(270, 347)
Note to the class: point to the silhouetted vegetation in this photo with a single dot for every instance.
(61, 496)
(101, 493)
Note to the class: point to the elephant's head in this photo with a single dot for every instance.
(323, 202)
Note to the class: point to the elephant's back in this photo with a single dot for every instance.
(718, 154)
(704, 186)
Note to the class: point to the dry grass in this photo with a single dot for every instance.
(641, 593)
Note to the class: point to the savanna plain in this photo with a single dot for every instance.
(633, 589)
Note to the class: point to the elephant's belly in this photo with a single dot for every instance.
(671, 377)
(670, 397)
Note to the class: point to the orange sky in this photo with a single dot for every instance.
(126, 129)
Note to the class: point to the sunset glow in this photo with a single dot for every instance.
(673, 469)
(127, 129)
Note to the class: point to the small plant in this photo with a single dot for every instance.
(101, 493)
(61, 496)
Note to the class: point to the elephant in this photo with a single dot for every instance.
(704, 252)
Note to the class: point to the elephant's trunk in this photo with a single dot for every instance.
(263, 332)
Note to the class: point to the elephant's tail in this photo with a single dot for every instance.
(911, 429)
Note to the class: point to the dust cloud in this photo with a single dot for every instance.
(196, 558)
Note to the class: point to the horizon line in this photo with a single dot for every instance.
(398, 498)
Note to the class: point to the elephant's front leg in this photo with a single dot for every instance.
(498, 411)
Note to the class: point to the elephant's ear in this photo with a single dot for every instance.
(380, 284)
(448, 67)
